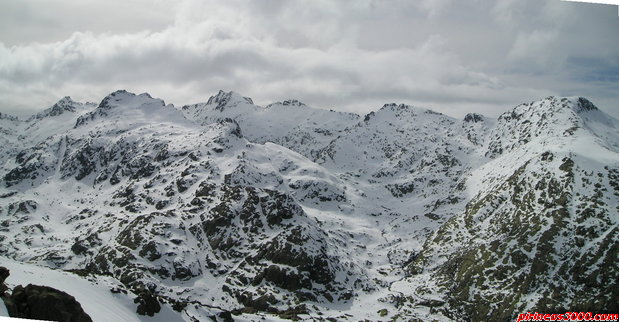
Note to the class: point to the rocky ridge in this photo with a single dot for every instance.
(226, 206)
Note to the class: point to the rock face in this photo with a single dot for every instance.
(473, 117)
(546, 228)
(550, 262)
(40, 302)
(227, 207)
(147, 303)
(46, 303)
(4, 273)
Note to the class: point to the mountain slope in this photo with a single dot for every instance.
(20, 134)
(9, 129)
(163, 201)
(287, 210)
(540, 232)
(290, 123)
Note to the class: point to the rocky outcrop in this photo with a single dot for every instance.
(147, 303)
(41, 303)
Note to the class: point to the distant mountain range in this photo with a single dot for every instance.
(226, 209)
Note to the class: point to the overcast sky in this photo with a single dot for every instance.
(452, 56)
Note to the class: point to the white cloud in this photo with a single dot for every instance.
(348, 55)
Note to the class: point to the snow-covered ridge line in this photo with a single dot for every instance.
(223, 98)
(226, 207)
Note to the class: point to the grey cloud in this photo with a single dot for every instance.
(26, 21)
(349, 55)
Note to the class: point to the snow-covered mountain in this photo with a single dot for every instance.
(290, 123)
(294, 212)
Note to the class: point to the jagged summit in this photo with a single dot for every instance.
(123, 106)
(64, 105)
(4, 116)
(66, 100)
(585, 105)
(473, 118)
(402, 115)
(289, 102)
(232, 127)
(401, 109)
(553, 113)
(223, 99)
(125, 99)
(368, 116)
(553, 119)
(552, 104)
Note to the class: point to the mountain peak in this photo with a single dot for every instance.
(289, 102)
(123, 97)
(8, 117)
(473, 118)
(293, 102)
(584, 105)
(65, 104)
(223, 99)
(551, 117)
(551, 104)
(115, 96)
(127, 105)
(233, 126)
(405, 109)
(391, 106)
(65, 100)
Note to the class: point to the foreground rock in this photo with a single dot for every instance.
(41, 302)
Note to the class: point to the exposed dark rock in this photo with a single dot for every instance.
(149, 251)
(293, 313)
(222, 99)
(45, 303)
(4, 273)
(368, 116)
(474, 118)
(78, 248)
(400, 189)
(85, 246)
(23, 207)
(224, 316)
(147, 303)
(283, 251)
(283, 278)
(4, 116)
(586, 105)
(8, 194)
